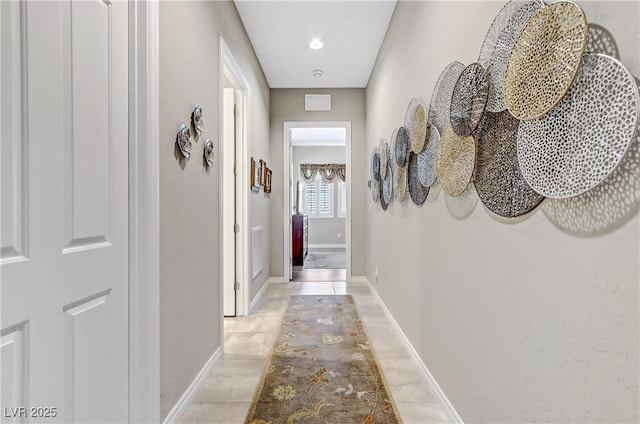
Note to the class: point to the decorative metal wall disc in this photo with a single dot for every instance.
(386, 188)
(498, 180)
(456, 160)
(402, 146)
(375, 165)
(399, 182)
(415, 122)
(608, 205)
(498, 25)
(417, 191)
(580, 142)
(469, 99)
(375, 190)
(545, 59)
(460, 207)
(440, 105)
(392, 147)
(599, 40)
(427, 159)
(383, 152)
(497, 63)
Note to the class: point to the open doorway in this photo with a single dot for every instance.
(318, 231)
(233, 200)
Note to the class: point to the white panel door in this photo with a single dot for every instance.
(64, 253)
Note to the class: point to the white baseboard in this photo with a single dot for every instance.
(409, 346)
(185, 400)
(358, 279)
(327, 246)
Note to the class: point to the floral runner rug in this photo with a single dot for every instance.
(322, 369)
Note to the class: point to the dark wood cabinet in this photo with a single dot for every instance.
(299, 238)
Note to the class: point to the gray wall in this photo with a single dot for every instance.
(189, 198)
(525, 321)
(348, 104)
(321, 230)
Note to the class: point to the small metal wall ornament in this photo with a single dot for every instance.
(196, 121)
(208, 153)
(183, 141)
(399, 182)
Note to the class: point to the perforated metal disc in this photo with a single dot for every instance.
(463, 205)
(417, 191)
(392, 147)
(497, 26)
(440, 105)
(399, 182)
(545, 59)
(427, 159)
(386, 188)
(599, 40)
(415, 122)
(580, 142)
(383, 152)
(497, 63)
(402, 146)
(608, 205)
(456, 160)
(498, 180)
(375, 165)
(375, 190)
(469, 99)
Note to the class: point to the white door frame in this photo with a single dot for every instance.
(242, 193)
(144, 213)
(287, 184)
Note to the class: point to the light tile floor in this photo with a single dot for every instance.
(226, 395)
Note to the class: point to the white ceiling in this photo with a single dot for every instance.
(304, 137)
(352, 32)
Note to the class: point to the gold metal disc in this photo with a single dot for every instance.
(456, 161)
(545, 59)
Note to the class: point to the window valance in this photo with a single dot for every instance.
(328, 171)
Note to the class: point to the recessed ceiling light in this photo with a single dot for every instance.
(316, 44)
(317, 73)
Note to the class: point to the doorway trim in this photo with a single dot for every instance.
(287, 185)
(240, 83)
(144, 213)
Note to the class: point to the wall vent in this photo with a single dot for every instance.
(317, 102)
(256, 247)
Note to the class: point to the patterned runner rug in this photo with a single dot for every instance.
(322, 369)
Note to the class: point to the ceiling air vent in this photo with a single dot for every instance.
(317, 102)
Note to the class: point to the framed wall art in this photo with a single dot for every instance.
(255, 176)
(267, 180)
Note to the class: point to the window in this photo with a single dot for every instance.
(342, 199)
(318, 199)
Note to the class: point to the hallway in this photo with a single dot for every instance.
(227, 394)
